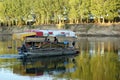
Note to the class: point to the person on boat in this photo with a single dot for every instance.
(23, 48)
(55, 40)
(48, 40)
(73, 44)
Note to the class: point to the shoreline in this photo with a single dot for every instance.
(79, 35)
(82, 30)
(97, 35)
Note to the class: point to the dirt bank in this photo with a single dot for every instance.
(80, 29)
(97, 29)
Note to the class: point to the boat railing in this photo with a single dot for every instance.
(46, 45)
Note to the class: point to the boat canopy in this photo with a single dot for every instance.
(44, 33)
(65, 33)
(38, 32)
(21, 36)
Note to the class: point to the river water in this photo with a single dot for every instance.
(99, 59)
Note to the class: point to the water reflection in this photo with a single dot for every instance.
(99, 45)
(99, 59)
(46, 65)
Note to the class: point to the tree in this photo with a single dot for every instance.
(83, 9)
(57, 11)
(104, 9)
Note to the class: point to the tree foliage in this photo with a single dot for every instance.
(19, 12)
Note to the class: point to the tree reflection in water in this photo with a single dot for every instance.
(98, 67)
(47, 65)
(98, 60)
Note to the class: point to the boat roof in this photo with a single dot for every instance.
(21, 36)
(44, 33)
(65, 33)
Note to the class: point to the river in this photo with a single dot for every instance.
(99, 59)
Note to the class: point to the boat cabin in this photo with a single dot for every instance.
(46, 42)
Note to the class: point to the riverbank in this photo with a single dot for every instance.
(107, 29)
(97, 29)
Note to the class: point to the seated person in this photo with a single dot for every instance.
(55, 40)
(48, 40)
(23, 48)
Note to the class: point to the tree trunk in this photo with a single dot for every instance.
(59, 21)
(47, 19)
(19, 22)
(81, 19)
(99, 20)
(103, 20)
(87, 20)
(38, 21)
(42, 19)
(71, 21)
(77, 21)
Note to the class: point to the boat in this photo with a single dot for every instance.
(35, 44)
(37, 47)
